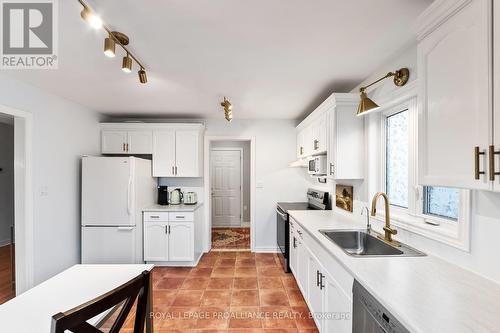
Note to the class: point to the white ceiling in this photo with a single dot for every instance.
(271, 58)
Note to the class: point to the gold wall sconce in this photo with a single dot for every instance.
(366, 105)
(228, 109)
(114, 38)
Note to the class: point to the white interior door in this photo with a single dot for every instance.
(107, 189)
(225, 167)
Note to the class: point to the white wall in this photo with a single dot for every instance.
(62, 132)
(245, 146)
(6, 182)
(485, 220)
(274, 150)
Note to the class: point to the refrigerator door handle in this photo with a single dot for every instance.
(125, 228)
(129, 196)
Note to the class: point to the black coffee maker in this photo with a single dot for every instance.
(162, 195)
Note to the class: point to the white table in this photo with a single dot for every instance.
(32, 311)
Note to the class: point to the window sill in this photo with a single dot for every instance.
(445, 232)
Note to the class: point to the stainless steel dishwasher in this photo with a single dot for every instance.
(369, 316)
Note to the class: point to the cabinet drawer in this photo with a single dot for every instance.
(180, 216)
(155, 216)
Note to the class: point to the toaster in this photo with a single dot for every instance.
(190, 198)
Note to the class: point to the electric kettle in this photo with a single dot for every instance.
(176, 196)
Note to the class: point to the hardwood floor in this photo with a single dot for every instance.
(228, 292)
(6, 291)
(231, 238)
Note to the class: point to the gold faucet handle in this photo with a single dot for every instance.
(390, 230)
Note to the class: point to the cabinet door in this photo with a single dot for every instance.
(300, 144)
(181, 241)
(307, 140)
(164, 153)
(455, 98)
(187, 153)
(156, 241)
(496, 98)
(293, 251)
(302, 267)
(140, 142)
(337, 305)
(113, 142)
(332, 142)
(319, 137)
(315, 297)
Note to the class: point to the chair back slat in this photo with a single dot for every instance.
(75, 320)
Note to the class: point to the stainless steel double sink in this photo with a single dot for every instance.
(360, 243)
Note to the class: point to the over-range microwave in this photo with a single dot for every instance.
(317, 165)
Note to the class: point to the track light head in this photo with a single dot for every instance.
(109, 47)
(143, 78)
(91, 18)
(127, 64)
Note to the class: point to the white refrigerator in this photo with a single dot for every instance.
(114, 192)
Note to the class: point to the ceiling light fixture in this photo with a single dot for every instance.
(143, 78)
(228, 109)
(109, 47)
(127, 64)
(366, 105)
(114, 38)
(91, 18)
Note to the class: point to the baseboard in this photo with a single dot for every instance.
(4, 242)
(266, 249)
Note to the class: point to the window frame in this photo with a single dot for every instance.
(412, 219)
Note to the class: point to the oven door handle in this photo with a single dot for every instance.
(283, 216)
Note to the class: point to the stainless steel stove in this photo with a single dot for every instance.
(316, 200)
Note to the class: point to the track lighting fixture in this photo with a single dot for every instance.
(143, 78)
(109, 47)
(366, 105)
(228, 109)
(127, 64)
(110, 42)
(91, 18)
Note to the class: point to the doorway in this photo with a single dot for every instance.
(7, 248)
(229, 167)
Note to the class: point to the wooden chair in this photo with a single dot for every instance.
(75, 320)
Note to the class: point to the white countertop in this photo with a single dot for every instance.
(173, 208)
(426, 294)
(32, 311)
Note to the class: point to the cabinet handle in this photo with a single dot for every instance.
(166, 229)
(492, 155)
(316, 144)
(294, 242)
(321, 285)
(301, 150)
(173, 170)
(332, 170)
(124, 147)
(477, 172)
(317, 278)
(127, 146)
(169, 229)
(180, 217)
(176, 170)
(155, 216)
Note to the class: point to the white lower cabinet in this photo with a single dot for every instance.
(181, 239)
(166, 241)
(328, 293)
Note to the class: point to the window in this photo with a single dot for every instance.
(441, 202)
(396, 152)
(439, 213)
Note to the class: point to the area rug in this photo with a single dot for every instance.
(230, 238)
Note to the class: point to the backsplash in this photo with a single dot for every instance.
(185, 184)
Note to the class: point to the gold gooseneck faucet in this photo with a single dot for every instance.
(387, 228)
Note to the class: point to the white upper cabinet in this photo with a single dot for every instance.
(335, 130)
(346, 138)
(113, 142)
(496, 98)
(178, 152)
(176, 149)
(455, 97)
(188, 153)
(140, 142)
(164, 153)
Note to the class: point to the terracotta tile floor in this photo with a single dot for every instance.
(230, 292)
(230, 238)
